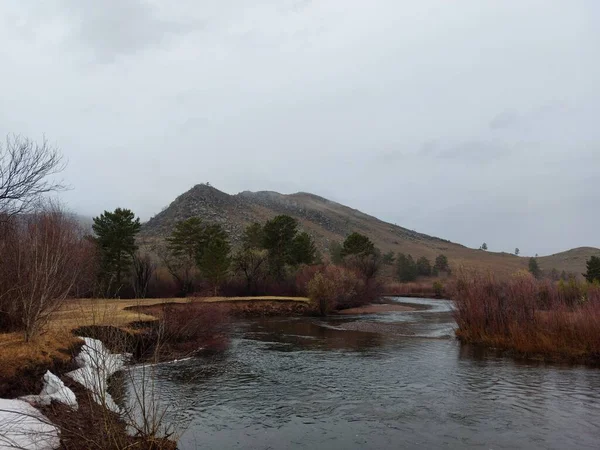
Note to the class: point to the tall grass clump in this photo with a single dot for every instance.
(558, 321)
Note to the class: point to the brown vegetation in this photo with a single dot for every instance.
(557, 321)
(42, 256)
(423, 289)
(334, 288)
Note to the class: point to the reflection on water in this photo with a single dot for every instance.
(308, 383)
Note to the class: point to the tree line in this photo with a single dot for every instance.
(48, 256)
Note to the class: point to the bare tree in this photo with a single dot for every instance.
(25, 168)
(252, 264)
(143, 269)
(182, 269)
(41, 260)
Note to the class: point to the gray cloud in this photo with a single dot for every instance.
(113, 28)
(467, 121)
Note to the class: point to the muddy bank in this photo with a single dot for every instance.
(239, 308)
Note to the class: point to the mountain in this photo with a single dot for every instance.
(328, 222)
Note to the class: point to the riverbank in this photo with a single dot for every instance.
(22, 364)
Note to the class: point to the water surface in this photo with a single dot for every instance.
(308, 383)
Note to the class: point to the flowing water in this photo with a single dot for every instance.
(386, 381)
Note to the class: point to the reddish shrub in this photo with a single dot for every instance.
(529, 316)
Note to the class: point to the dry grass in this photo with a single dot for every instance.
(18, 358)
(251, 299)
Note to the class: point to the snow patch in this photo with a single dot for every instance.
(22, 426)
(97, 364)
(54, 390)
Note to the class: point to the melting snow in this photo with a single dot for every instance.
(97, 364)
(22, 426)
(54, 389)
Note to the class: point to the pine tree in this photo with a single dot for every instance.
(534, 268)
(423, 267)
(441, 264)
(215, 261)
(186, 239)
(593, 269)
(303, 250)
(357, 244)
(115, 237)
(279, 234)
(183, 252)
(253, 236)
(406, 269)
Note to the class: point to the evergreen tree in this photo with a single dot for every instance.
(517, 251)
(215, 261)
(423, 267)
(279, 234)
(186, 240)
(483, 246)
(593, 269)
(212, 232)
(360, 254)
(303, 249)
(357, 244)
(183, 253)
(187, 245)
(115, 237)
(441, 264)
(253, 236)
(534, 268)
(406, 269)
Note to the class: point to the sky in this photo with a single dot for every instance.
(472, 121)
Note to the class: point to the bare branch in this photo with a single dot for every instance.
(25, 171)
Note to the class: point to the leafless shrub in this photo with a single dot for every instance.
(335, 287)
(42, 255)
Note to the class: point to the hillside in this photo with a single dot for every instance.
(328, 221)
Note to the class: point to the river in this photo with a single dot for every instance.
(386, 381)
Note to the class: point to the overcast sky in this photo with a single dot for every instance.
(470, 120)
